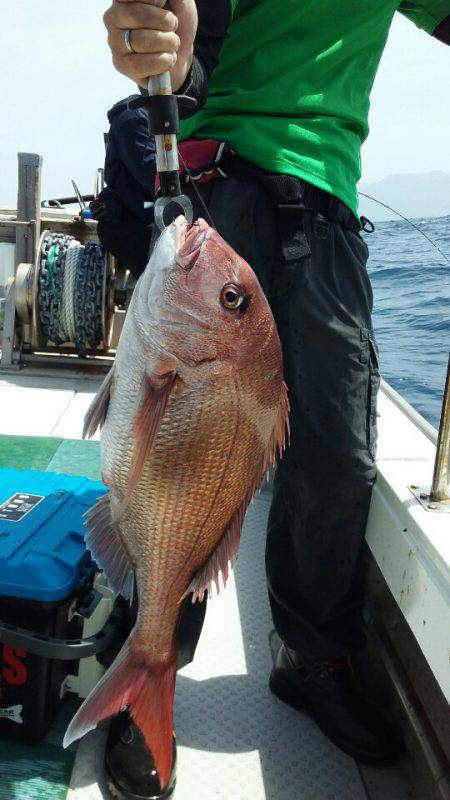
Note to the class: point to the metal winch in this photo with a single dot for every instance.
(67, 299)
(63, 296)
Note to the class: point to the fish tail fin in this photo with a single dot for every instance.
(146, 689)
(152, 711)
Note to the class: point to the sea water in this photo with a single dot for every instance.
(411, 284)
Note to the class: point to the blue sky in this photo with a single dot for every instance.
(57, 82)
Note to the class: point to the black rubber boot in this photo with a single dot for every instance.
(329, 692)
(129, 765)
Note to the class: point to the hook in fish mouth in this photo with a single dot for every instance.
(189, 250)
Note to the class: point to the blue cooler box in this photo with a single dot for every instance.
(44, 570)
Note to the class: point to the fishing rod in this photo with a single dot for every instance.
(163, 119)
(413, 225)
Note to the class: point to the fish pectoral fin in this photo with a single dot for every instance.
(105, 542)
(152, 407)
(97, 411)
(226, 550)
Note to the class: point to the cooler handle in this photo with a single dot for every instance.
(64, 649)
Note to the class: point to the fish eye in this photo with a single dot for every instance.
(231, 296)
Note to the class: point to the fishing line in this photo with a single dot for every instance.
(413, 225)
(362, 194)
(197, 191)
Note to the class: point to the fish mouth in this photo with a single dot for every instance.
(191, 241)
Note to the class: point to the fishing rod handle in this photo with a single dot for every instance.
(165, 142)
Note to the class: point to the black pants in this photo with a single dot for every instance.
(322, 307)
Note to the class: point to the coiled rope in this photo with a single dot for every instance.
(70, 291)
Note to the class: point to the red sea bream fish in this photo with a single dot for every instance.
(192, 414)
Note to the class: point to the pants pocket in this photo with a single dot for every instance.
(360, 246)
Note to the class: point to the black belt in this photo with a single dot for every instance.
(292, 196)
(286, 189)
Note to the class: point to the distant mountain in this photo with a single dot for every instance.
(414, 196)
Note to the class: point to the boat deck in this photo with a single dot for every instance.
(235, 739)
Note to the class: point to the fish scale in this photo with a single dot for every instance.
(167, 509)
(193, 412)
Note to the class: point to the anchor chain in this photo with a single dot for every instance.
(51, 274)
(70, 291)
(88, 297)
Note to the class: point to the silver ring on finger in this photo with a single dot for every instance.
(127, 38)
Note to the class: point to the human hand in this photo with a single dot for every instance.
(162, 39)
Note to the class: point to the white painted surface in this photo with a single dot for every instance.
(70, 424)
(412, 545)
(31, 405)
(31, 411)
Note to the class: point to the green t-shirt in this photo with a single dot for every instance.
(291, 90)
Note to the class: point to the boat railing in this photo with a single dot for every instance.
(440, 488)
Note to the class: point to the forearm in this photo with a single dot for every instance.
(214, 17)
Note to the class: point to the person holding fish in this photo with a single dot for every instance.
(272, 153)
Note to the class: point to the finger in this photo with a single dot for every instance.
(139, 66)
(133, 15)
(160, 3)
(144, 41)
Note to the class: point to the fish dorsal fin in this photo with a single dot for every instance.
(156, 390)
(226, 550)
(97, 411)
(105, 542)
(281, 434)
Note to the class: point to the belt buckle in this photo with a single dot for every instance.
(321, 225)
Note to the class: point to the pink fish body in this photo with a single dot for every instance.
(192, 414)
